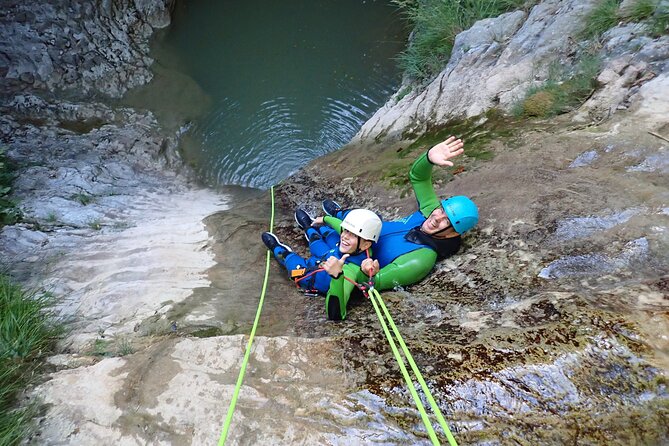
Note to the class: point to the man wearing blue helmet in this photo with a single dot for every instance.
(407, 249)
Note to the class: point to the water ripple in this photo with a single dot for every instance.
(260, 147)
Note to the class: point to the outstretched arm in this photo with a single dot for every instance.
(332, 222)
(421, 172)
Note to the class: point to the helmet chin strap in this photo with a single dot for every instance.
(357, 246)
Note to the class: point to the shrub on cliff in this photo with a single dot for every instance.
(540, 103)
(565, 89)
(9, 213)
(436, 23)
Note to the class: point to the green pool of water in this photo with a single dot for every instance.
(260, 88)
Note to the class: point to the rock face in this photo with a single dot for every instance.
(102, 182)
(81, 164)
(78, 47)
(495, 62)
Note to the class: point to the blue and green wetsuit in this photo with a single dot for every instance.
(323, 244)
(405, 254)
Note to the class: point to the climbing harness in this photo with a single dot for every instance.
(299, 274)
(240, 378)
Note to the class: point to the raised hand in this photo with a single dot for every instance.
(441, 153)
(334, 266)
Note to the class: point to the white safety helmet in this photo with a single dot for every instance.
(363, 223)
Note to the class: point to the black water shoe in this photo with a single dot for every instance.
(331, 207)
(272, 242)
(303, 219)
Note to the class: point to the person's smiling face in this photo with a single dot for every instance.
(348, 242)
(436, 222)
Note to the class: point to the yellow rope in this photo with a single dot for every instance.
(240, 378)
(414, 368)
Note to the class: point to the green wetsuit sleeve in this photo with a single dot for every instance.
(333, 222)
(406, 269)
(340, 290)
(420, 176)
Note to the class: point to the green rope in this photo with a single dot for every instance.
(414, 367)
(240, 378)
(405, 373)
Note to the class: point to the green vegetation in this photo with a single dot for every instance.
(477, 132)
(602, 18)
(564, 90)
(82, 198)
(567, 88)
(607, 14)
(124, 347)
(659, 21)
(28, 330)
(436, 23)
(107, 348)
(642, 10)
(9, 213)
(403, 92)
(95, 224)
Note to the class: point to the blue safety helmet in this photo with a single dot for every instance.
(461, 212)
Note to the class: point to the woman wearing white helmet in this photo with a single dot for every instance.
(337, 250)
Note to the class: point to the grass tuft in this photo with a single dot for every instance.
(436, 23)
(602, 18)
(564, 90)
(642, 10)
(659, 22)
(83, 199)
(608, 13)
(28, 331)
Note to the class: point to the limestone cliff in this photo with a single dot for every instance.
(496, 61)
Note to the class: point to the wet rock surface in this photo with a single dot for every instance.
(73, 183)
